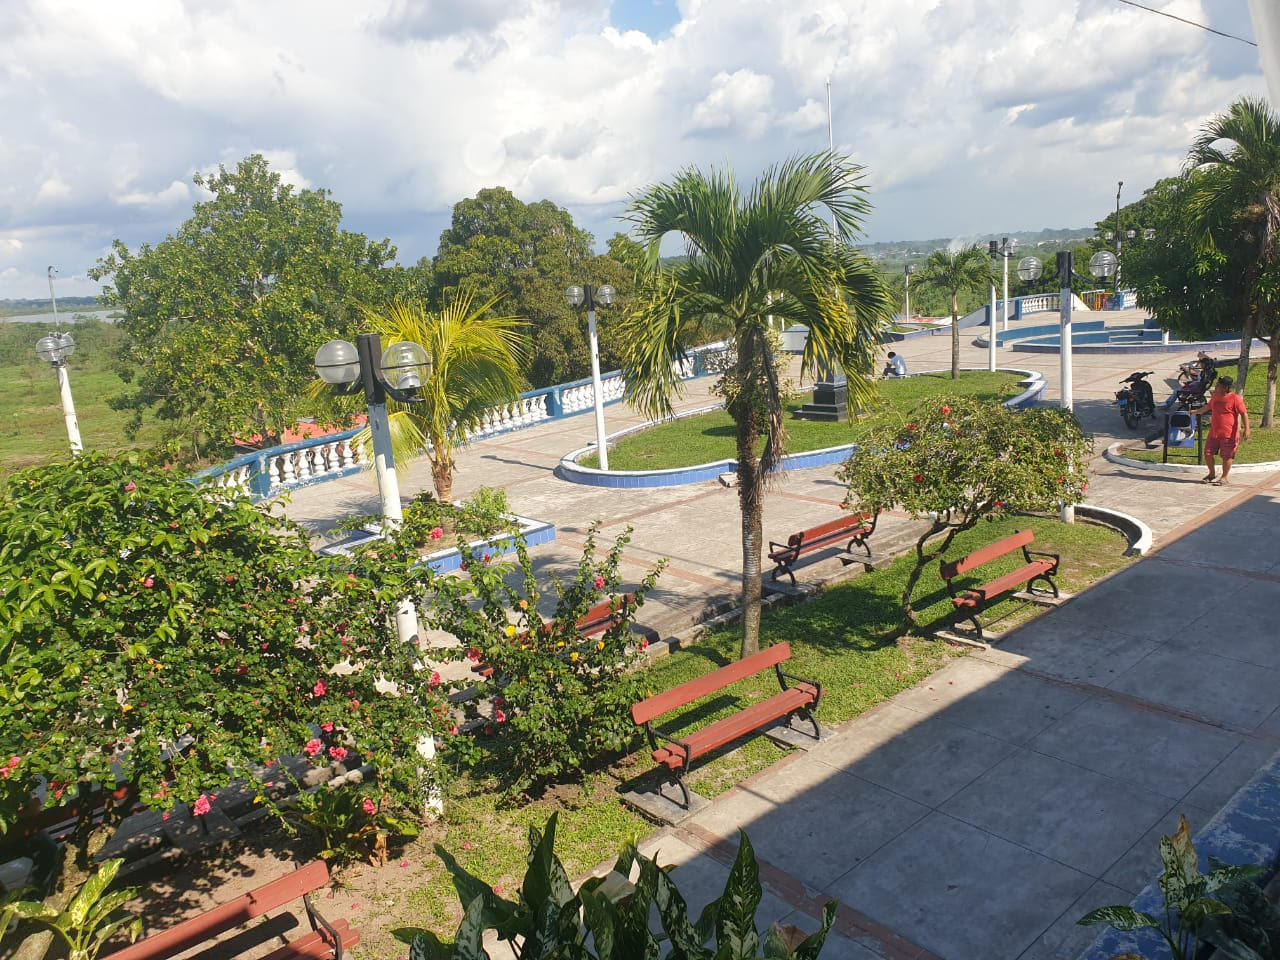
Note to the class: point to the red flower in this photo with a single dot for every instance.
(313, 747)
(435, 679)
(201, 806)
(1084, 487)
(130, 487)
(599, 582)
(319, 689)
(166, 814)
(454, 730)
(436, 533)
(9, 767)
(327, 726)
(499, 701)
(230, 578)
(338, 753)
(644, 643)
(241, 669)
(149, 582)
(918, 478)
(355, 704)
(497, 888)
(499, 716)
(485, 558)
(473, 655)
(945, 411)
(369, 807)
(911, 426)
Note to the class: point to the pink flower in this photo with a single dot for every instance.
(369, 807)
(499, 716)
(473, 655)
(355, 704)
(149, 582)
(466, 844)
(404, 863)
(599, 582)
(313, 747)
(338, 753)
(165, 815)
(327, 726)
(319, 689)
(453, 730)
(201, 806)
(11, 766)
(435, 679)
(497, 888)
(436, 533)
(130, 487)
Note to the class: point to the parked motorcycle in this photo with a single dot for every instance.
(1137, 400)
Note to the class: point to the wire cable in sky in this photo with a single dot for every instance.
(1229, 36)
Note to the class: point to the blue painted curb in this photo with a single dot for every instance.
(1121, 348)
(1242, 832)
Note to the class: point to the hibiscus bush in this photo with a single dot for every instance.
(172, 638)
(955, 461)
(554, 701)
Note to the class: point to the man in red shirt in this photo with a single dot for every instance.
(1228, 412)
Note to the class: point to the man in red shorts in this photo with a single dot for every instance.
(1227, 411)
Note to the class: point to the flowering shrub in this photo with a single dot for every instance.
(959, 460)
(555, 701)
(181, 637)
(345, 822)
(427, 520)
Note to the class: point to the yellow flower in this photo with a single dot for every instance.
(600, 645)
(126, 708)
(559, 644)
(102, 597)
(574, 656)
(524, 604)
(511, 630)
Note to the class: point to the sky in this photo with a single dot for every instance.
(971, 117)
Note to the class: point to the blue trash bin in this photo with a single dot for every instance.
(1182, 429)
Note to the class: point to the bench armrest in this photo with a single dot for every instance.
(775, 547)
(655, 732)
(783, 677)
(1040, 553)
(319, 923)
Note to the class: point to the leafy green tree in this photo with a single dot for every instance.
(1237, 202)
(967, 269)
(959, 460)
(173, 638)
(476, 358)
(223, 315)
(527, 255)
(767, 251)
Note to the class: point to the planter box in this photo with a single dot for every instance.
(535, 532)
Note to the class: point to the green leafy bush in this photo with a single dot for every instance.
(432, 523)
(347, 821)
(91, 918)
(555, 702)
(608, 918)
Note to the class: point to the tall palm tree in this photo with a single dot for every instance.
(476, 362)
(767, 251)
(1240, 151)
(966, 270)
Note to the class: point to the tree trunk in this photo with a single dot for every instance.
(955, 336)
(1273, 363)
(442, 475)
(751, 502)
(910, 619)
(1246, 343)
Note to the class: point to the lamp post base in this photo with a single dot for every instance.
(830, 403)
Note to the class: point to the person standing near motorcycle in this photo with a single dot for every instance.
(1227, 412)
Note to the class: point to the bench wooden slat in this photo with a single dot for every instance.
(1012, 579)
(692, 690)
(992, 551)
(229, 915)
(313, 946)
(730, 728)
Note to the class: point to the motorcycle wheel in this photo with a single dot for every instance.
(1130, 418)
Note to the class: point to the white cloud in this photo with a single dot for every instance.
(970, 115)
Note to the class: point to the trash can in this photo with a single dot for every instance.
(1182, 429)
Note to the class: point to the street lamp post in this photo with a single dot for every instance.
(397, 373)
(907, 271)
(1115, 284)
(591, 295)
(1006, 251)
(54, 349)
(994, 249)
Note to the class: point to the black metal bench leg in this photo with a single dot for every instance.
(812, 718)
(684, 791)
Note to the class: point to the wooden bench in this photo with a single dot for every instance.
(326, 940)
(676, 755)
(601, 618)
(852, 527)
(973, 600)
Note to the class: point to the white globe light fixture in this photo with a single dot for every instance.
(405, 365)
(337, 363)
(1030, 268)
(1149, 233)
(1103, 264)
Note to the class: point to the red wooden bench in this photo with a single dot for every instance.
(973, 600)
(601, 618)
(676, 755)
(326, 940)
(852, 527)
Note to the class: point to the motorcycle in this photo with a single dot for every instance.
(1137, 400)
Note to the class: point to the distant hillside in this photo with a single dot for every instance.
(42, 305)
(902, 251)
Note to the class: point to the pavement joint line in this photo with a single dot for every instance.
(1119, 698)
(793, 892)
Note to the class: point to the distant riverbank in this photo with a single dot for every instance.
(66, 316)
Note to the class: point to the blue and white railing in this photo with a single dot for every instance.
(265, 473)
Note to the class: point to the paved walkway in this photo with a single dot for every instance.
(979, 814)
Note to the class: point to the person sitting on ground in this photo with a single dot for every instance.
(1228, 412)
(895, 367)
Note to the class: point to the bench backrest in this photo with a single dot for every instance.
(838, 525)
(686, 693)
(991, 551)
(229, 915)
(604, 615)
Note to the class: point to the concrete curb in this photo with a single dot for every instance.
(1114, 455)
(1135, 531)
(1121, 348)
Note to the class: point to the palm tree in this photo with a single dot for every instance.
(751, 255)
(1241, 195)
(476, 359)
(968, 269)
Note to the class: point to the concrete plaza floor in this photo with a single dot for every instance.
(979, 814)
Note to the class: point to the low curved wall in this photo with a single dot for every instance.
(1184, 346)
(574, 472)
(1115, 454)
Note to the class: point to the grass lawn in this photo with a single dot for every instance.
(1263, 445)
(710, 436)
(32, 408)
(836, 639)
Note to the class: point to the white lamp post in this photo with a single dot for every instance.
(907, 271)
(994, 249)
(397, 373)
(54, 350)
(590, 295)
(1006, 251)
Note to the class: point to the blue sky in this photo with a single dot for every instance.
(971, 117)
